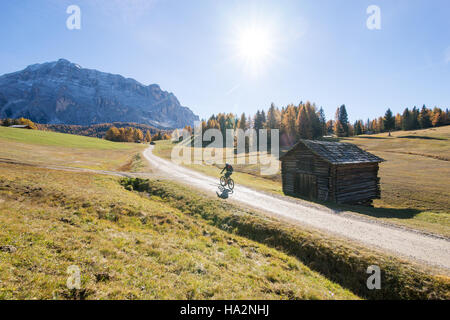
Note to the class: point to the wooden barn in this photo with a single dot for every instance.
(330, 171)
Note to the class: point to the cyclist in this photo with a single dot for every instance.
(229, 172)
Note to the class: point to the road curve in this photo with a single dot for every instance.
(429, 249)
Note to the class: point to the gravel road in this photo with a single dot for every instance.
(415, 245)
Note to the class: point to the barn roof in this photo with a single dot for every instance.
(336, 152)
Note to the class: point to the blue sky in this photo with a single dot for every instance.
(319, 51)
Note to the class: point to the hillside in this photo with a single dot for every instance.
(95, 130)
(127, 245)
(412, 178)
(154, 239)
(416, 170)
(51, 148)
(62, 92)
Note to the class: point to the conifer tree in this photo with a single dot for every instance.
(388, 121)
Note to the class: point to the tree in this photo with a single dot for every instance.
(242, 124)
(339, 129)
(157, 136)
(358, 128)
(438, 117)
(288, 126)
(330, 127)
(425, 118)
(26, 122)
(323, 121)
(138, 135)
(398, 121)
(7, 122)
(415, 118)
(129, 134)
(343, 118)
(313, 120)
(113, 134)
(406, 120)
(148, 136)
(273, 118)
(388, 121)
(258, 122)
(380, 124)
(303, 126)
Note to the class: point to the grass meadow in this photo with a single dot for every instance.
(52, 148)
(150, 239)
(414, 177)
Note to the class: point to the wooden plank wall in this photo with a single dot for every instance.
(346, 183)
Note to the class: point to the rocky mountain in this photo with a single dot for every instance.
(62, 92)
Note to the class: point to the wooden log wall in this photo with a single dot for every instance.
(356, 183)
(303, 161)
(343, 183)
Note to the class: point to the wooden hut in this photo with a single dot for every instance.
(330, 171)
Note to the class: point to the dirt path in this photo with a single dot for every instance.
(432, 250)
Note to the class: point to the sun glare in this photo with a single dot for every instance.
(254, 46)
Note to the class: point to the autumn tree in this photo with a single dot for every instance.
(288, 127)
(113, 134)
(148, 136)
(138, 135)
(424, 118)
(303, 126)
(438, 117)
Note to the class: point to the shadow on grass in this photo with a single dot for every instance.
(421, 137)
(369, 137)
(392, 213)
(397, 213)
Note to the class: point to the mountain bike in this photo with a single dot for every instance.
(227, 182)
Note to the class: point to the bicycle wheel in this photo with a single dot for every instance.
(230, 184)
(223, 181)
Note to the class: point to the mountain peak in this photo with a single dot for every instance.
(64, 92)
(63, 61)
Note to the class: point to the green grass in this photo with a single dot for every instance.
(52, 148)
(130, 246)
(48, 138)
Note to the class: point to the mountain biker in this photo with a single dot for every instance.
(229, 169)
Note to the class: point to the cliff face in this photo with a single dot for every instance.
(62, 92)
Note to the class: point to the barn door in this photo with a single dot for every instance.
(306, 185)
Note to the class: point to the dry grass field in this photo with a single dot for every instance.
(414, 179)
(167, 242)
(126, 245)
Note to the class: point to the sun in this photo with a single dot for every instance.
(254, 47)
(254, 44)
